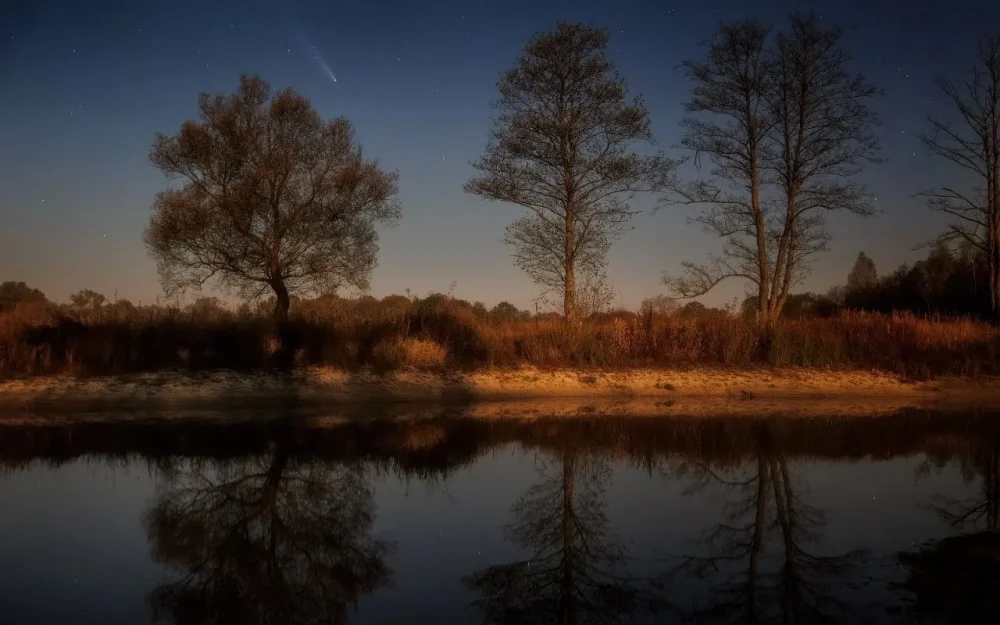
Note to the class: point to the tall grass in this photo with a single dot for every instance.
(440, 332)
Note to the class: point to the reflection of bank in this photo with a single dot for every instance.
(264, 540)
(214, 521)
(958, 578)
(575, 571)
(760, 562)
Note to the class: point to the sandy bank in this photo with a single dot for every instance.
(322, 385)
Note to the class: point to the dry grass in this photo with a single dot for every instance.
(398, 332)
(396, 352)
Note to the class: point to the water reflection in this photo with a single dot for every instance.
(982, 511)
(760, 561)
(294, 519)
(956, 579)
(574, 569)
(264, 540)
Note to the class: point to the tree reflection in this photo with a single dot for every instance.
(957, 578)
(264, 540)
(574, 573)
(762, 564)
(980, 512)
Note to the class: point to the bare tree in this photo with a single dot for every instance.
(561, 147)
(800, 123)
(273, 198)
(823, 135)
(973, 143)
(730, 84)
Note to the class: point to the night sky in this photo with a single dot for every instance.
(85, 85)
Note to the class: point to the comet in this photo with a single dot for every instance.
(325, 67)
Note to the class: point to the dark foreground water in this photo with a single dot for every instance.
(288, 519)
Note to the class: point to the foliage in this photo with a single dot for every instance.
(13, 294)
(863, 275)
(87, 299)
(272, 199)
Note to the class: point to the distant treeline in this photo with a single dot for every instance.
(948, 283)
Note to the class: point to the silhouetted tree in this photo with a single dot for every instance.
(970, 138)
(573, 573)
(504, 311)
(822, 136)
(863, 276)
(206, 309)
(87, 299)
(264, 540)
(806, 123)
(14, 293)
(273, 198)
(730, 83)
(659, 304)
(947, 282)
(561, 147)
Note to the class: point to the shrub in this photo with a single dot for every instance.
(395, 332)
(395, 352)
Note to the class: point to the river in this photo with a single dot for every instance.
(290, 517)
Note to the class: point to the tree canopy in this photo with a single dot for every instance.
(561, 146)
(787, 128)
(14, 293)
(272, 198)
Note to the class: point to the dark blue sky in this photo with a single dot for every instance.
(85, 85)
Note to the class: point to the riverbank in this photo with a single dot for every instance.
(323, 385)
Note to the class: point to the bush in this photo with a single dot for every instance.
(395, 352)
(398, 332)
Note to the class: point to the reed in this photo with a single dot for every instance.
(439, 332)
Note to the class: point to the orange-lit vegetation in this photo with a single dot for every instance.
(441, 332)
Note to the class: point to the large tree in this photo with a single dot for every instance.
(272, 198)
(970, 139)
(790, 115)
(561, 146)
(729, 86)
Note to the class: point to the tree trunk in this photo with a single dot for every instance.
(994, 266)
(763, 279)
(567, 593)
(281, 304)
(994, 235)
(569, 296)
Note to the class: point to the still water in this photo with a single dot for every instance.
(284, 518)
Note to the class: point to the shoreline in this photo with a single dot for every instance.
(327, 386)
